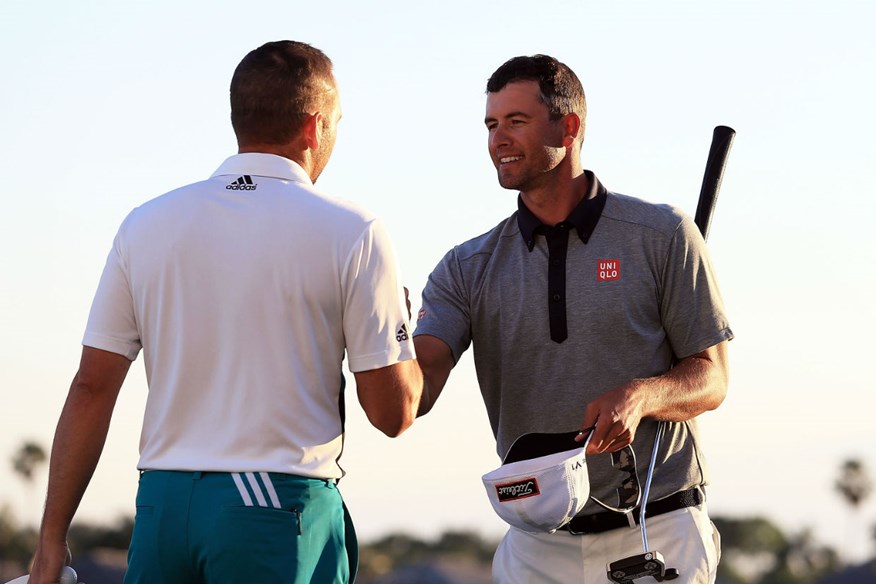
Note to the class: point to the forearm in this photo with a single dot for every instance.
(695, 385)
(80, 436)
(436, 362)
(79, 439)
(433, 383)
(78, 443)
(390, 396)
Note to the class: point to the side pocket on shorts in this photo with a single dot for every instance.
(716, 538)
(143, 550)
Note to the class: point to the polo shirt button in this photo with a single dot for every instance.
(556, 297)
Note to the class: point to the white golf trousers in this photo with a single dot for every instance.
(686, 538)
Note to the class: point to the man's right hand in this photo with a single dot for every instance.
(50, 557)
(615, 415)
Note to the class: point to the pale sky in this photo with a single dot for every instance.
(108, 104)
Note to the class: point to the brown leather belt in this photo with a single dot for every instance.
(599, 522)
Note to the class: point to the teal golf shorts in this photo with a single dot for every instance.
(240, 528)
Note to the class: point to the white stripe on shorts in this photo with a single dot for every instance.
(256, 489)
(244, 494)
(269, 486)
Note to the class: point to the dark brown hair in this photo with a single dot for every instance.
(561, 90)
(274, 86)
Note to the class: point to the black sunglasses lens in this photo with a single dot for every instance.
(628, 492)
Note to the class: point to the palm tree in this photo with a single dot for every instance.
(854, 485)
(26, 460)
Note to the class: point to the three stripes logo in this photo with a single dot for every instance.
(402, 334)
(244, 183)
(256, 490)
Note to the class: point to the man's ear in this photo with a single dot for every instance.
(313, 130)
(571, 128)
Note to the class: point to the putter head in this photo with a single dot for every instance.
(635, 567)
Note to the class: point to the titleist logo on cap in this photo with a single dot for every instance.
(517, 490)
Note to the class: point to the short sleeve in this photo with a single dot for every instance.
(691, 306)
(112, 324)
(376, 328)
(445, 313)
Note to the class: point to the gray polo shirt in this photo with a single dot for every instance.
(553, 328)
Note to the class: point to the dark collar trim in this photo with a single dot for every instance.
(583, 217)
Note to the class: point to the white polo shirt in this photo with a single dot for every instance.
(243, 292)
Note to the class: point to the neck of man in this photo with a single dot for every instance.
(290, 151)
(552, 203)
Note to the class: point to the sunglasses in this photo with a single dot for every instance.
(629, 494)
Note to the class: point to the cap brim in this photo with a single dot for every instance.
(537, 444)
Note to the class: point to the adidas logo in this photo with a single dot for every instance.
(402, 334)
(244, 183)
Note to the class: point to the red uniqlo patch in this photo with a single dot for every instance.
(607, 270)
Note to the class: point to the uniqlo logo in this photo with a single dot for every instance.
(608, 270)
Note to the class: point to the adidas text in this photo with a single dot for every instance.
(244, 183)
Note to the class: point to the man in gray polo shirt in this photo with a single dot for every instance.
(585, 308)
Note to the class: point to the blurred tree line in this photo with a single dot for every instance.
(754, 550)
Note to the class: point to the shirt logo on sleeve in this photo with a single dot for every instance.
(402, 334)
(421, 315)
(608, 270)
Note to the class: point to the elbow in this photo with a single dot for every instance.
(717, 394)
(716, 399)
(426, 401)
(391, 396)
(720, 370)
(394, 424)
(425, 408)
(395, 420)
(394, 430)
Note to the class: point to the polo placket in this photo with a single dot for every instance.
(583, 220)
(558, 244)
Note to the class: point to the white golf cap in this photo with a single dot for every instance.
(543, 482)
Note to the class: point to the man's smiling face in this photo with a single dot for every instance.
(525, 144)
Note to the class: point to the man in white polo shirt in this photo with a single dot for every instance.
(243, 291)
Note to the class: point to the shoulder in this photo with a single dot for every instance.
(661, 219)
(273, 197)
(485, 245)
(338, 208)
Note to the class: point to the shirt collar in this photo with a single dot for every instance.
(583, 217)
(261, 164)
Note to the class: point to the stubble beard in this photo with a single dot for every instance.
(528, 180)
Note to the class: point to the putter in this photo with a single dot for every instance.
(649, 562)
